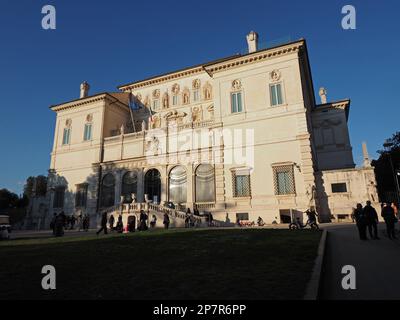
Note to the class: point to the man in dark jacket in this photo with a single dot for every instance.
(372, 220)
(361, 221)
(103, 224)
(166, 221)
(111, 222)
(390, 219)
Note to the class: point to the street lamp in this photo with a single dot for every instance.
(387, 145)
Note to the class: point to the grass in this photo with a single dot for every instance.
(201, 264)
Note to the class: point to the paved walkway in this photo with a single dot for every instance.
(377, 264)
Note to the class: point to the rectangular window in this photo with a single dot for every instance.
(276, 94)
(242, 216)
(284, 180)
(59, 198)
(87, 134)
(339, 188)
(81, 196)
(241, 186)
(196, 95)
(156, 104)
(174, 100)
(66, 136)
(236, 102)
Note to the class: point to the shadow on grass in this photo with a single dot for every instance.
(184, 264)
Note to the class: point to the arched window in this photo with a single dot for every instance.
(129, 185)
(205, 183)
(108, 191)
(152, 185)
(178, 185)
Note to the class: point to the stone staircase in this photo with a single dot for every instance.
(177, 217)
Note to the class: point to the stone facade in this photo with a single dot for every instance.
(295, 149)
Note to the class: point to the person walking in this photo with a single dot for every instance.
(103, 224)
(111, 223)
(153, 222)
(143, 221)
(60, 224)
(390, 218)
(361, 221)
(86, 223)
(120, 225)
(395, 209)
(53, 224)
(372, 220)
(80, 222)
(166, 221)
(211, 220)
(72, 222)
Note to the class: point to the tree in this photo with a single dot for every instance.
(8, 199)
(383, 168)
(35, 184)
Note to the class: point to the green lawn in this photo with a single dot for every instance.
(201, 264)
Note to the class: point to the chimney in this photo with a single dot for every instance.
(252, 41)
(84, 89)
(322, 94)
(367, 161)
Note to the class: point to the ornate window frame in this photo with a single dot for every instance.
(237, 90)
(244, 171)
(284, 167)
(275, 77)
(66, 137)
(81, 195)
(88, 135)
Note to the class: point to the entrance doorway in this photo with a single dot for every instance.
(152, 185)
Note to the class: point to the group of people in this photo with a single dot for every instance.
(62, 222)
(367, 218)
(193, 219)
(108, 223)
(119, 227)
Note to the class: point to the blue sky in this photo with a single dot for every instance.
(109, 43)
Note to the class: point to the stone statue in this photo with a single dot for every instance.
(322, 94)
(165, 101)
(84, 89)
(310, 193)
(133, 195)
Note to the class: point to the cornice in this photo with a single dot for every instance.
(338, 105)
(86, 101)
(220, 65)
(162, 79)
(256, 57)
(343, 104)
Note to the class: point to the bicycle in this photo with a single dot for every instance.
(299, 226)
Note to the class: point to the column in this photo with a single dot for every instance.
(190, 187)
(164, 184)
(118, 186)
(140, 186)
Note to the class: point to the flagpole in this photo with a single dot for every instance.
(130, 110)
